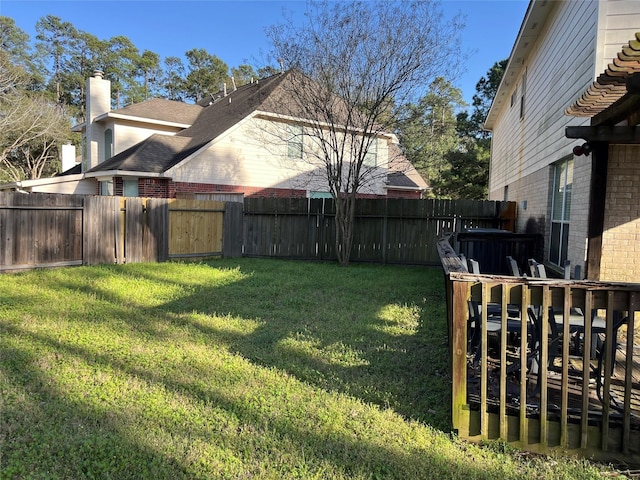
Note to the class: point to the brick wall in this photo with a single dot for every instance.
(403, 194)
(621, 237)
(154, 188)
(164, 188)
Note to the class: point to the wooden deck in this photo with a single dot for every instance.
(554, 389)
(569, 403)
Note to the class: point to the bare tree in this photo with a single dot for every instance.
(360, 61)
(31, 128)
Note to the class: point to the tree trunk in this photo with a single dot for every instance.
(344, 220)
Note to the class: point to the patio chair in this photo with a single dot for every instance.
(537, 269)
(599, 371)
(494, 323)
(474, 266)
(513, 267)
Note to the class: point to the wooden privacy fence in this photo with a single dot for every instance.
(545, 365)
(40, 230)
(386, 230)
(44, 230)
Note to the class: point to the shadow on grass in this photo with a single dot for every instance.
(328, 328)
(310, 327)
(101, 443)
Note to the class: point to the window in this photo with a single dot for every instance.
(294, 141)
(130, 187)
(560, 211)
(85, 158)
(106, 187)
(371, 157)
(523, 91)
(314, 194)
(108, 143)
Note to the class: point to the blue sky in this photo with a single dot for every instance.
(235, 30)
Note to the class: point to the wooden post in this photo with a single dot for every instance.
(134, 230)
(232, 230)
(458, 335)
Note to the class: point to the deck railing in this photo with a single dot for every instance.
(524, 374)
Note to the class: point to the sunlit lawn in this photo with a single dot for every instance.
(235, 369)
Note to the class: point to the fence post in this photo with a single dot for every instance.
(385, 226)
(156, 232)
(232, 230)
(457, 293)
(101, 217)
(134, 230)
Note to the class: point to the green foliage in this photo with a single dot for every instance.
(452, 151)
(173, 79)
(468, 173)
(235, 369)
(243, 74)
(64, 57)
(206, 74)
(486, 90)
(31, 127)
(427, 132)
(14, 42)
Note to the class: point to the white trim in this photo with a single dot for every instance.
(140, 120)
(535, 18)
(124, 173)
(412, 189)
(42, 181)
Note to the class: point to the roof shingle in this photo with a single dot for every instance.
(163, 110)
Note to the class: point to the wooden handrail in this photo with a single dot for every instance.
(564, 414)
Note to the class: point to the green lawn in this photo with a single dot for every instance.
(235, 369)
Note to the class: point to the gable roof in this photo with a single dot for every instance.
(163, 110)
(155, 110)
(217, 114)
(402, 173)
(158, 153)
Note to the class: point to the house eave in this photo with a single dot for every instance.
(25, 184)
(124, 173)
(536, 16)
(131, 118)
(408, 189)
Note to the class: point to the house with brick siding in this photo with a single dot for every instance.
(573, 183)
(245, 142)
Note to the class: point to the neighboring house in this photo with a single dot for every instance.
(243, 142)
(560, 51)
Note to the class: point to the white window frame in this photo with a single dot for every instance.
(560, 214)
(371, 157)
(295, 141)
(523, 91)
(108, 143)
(106, 187)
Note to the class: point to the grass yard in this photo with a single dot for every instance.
(235, 369)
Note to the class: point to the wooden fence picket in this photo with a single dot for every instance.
(48, 230)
